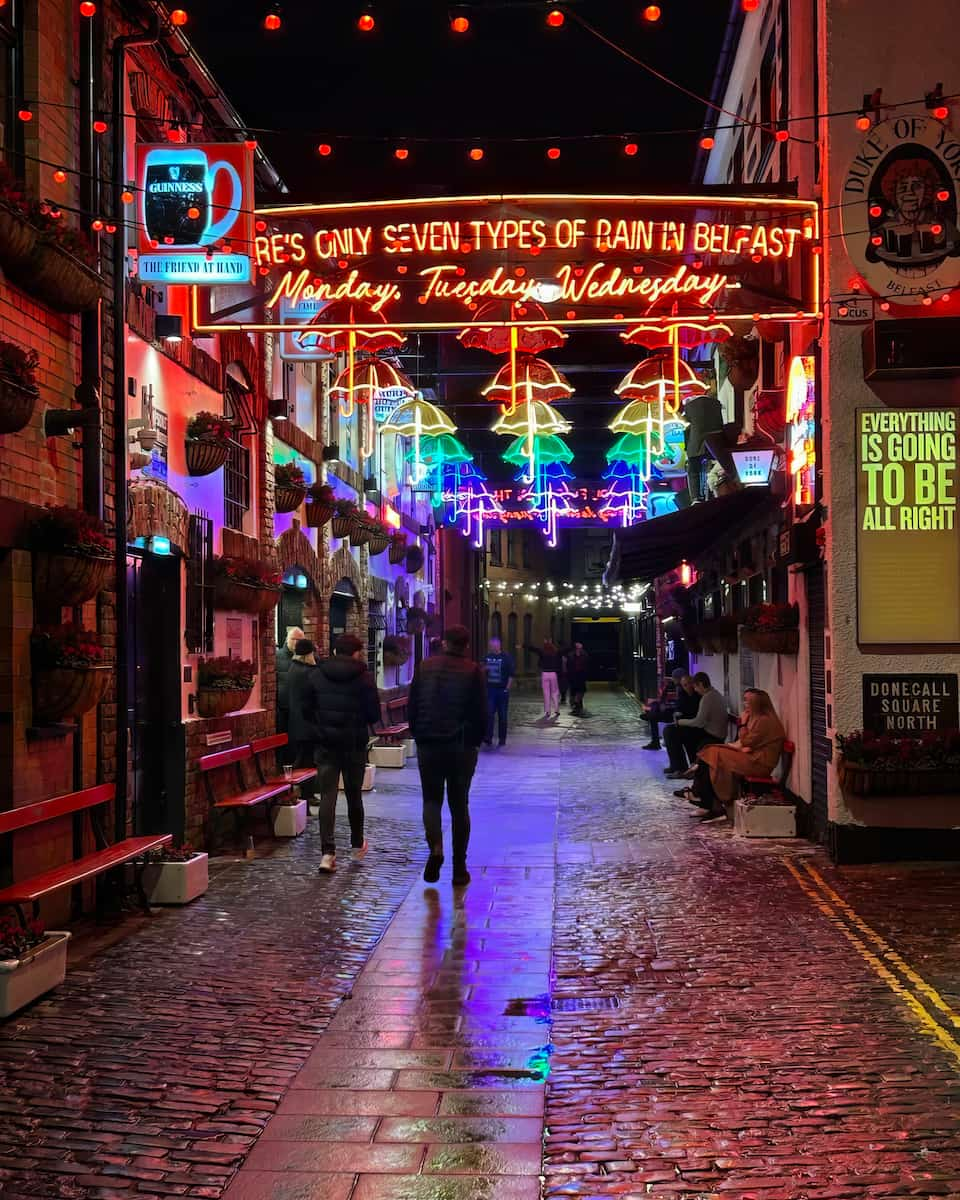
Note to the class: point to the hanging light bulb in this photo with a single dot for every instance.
(553, 153)
(782, 135)
(652, 13)
(476, 153)
(324, 149)
(99, 126)
(127, 195)
(863, 122)
(555, 18)
(273, 20)
(366, 21)
(59, 176)
(707, 143)
(459, 22)
(630, 149)
(178, 17)
(401, 153)
(87, 8)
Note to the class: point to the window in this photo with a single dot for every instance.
(512, 635)
(525, 549)
(527, 634)
(511, 548)
(236, 471)
(496, 625)
(11, 86)
(496, 549)
(769, 106)
(198, 623)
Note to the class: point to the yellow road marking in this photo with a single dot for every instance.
(826, 905)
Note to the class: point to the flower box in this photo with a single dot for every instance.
(44, 967)
(771, 641)
(176, 882)
(205, 455)
(70, 578)
(288, 499)
(414, 559)
(16, 404)
(290, 820)
(398, 549)
(218, 702)
(17, 239)
(859, 779)
(60, 692)
(760, 818)
(388, 756)
(55, 277)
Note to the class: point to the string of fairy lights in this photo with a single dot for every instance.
(580, 596)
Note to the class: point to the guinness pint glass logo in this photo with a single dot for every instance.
(900, 210)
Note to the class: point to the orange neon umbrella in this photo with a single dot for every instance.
(491, 329)
(650, 379)
(359, 382)
(347, 314)
(535, 378)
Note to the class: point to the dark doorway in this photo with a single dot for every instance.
(157, 746)
(601, 641)
(292, 600)
(344, 598)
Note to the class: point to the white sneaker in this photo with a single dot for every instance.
(328, 864)
(359, 852)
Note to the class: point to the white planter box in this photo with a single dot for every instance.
(410, 748)
(176, 882)
(23, 980)
(765, 820)
(369, 778)
(388, 756)
(290, 820)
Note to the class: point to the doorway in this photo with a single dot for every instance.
(343, 603)
(154, 718)
(292, 599)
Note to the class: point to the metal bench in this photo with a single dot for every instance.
(90, 801)
(239, 798)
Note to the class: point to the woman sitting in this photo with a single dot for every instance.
(756, 751)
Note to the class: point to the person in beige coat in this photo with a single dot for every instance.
(756, 751)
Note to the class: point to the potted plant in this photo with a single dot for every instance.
(320, 501)
(398, 548)
(32, 961)
(73, 555)
(70, 674)
(223, 685)
(290, 815)
(244, 585)
(18, 234)
(879, 765)
(379, 538)
(742, 358)
(396, 650)
(345, 516)
(207, 443)
(60, 270)
(18, 385)
(175, 874)
(289, 487)
(414, 559)
(417, 619)
(772, 629)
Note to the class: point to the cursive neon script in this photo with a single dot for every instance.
(302, 286)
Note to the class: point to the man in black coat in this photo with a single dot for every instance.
(341, 705)
(285, 655)
(299, 730)
(447, 711)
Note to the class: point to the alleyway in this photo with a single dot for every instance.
(626, 1001)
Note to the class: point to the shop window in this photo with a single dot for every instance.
(11, 86)
(198, 619)
(236, 470)
(527, 635)
(496, 548)
(511, 548)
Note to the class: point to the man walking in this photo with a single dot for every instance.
(341, 705)
(709, 725)
(447, 711)
(500, 672)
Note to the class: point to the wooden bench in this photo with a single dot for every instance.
(238, 797)
(393, 726)
(90, 801)
(264, 748)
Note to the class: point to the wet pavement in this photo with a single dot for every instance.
(627, 1001)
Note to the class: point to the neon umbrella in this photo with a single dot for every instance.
(534, 377)
(418, 418)
(676, 336)
(493, 329)
(347, 314)
(359, 382)
(543, 418)
(649, 379)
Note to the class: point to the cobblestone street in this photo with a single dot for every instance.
(626, 1001)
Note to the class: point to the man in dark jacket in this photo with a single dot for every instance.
(341, 705)
(285, 655)
(447, 711)
(300, 731)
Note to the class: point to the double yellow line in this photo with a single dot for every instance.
(883, 960)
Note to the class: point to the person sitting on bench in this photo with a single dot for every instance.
(756, 751)
(658, 712)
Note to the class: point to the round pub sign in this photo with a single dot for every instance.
(900, 210)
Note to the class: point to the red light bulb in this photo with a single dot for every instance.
(272, 21)
(553, 153)
(875, 210)
(111, 228)
(365, 22)
(59, 176)
(555, 18)
(261, 227)
(99, 127)
(707, 143)
(324, 149)
(630, 149)
(652, 13)
(782, 135)
(936, 230)
(460, 24)
(927, 301)
(863, 122)
(87, 8)
(401, 153)
(941, 112)
(25, 114)
(126, 197)
(876, 240)
(178, 17)
(250, 144)
(749, 5)
(97, 224)
(193, 213)
(885, 305)
(943, 195)
(476, 153)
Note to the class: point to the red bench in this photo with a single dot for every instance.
(393, 726)
(238, 797)
(265, 747)
(90, 801)
(766, 785)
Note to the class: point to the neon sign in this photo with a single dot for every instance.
(802, 431)
(601, 260)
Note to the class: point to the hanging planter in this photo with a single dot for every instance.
(319, 504)
(379, 538)
(73, 555)
(268, 599)
(18, 386)
(290, 487)
(69, 674)
(207, 443)
(55, 275)
(345, 517)
(396, 651)
(398, 548)
(224, 685)
(871, 765)
(17, 238)
(360, 531)
(244, 585)
(772, 629)
(414, 559)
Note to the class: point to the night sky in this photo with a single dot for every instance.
(508, 79)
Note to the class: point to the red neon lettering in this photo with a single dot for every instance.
(299, 287)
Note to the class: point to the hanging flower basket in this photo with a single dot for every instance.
(772, 629)
(205, 455)
(359, 533)
(245, 585)
(776, 641)
(269, 598)
(55, 277)
(414, 558)
(17, 239)
(62, 692)
(18, 385)
(345, 517)
(218, 702)
(289, 487)
(398, 548)
(320, 504)
(235, 596)
(861, 780)
(288, 499)
(396, 651)
(70, 578)
(378, 541)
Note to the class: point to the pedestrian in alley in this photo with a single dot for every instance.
(578, 665)
(500, 670)
(659, 711)
(756, 751)
(551, 665)
(341, 705)
(685, 706)
(447, 711)
(300, 730)
(709, 725)
(285, 655)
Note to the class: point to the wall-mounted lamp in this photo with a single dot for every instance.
(331, 453)
(753, 465)
(169, 327)
(279, 410)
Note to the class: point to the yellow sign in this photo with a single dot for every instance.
(908, 535)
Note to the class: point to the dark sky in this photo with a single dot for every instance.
(511, 77)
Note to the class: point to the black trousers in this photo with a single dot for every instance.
(451, 767)
(304, 758)
(657, 714)
(683, 742)
(332, 762)
(498, 706)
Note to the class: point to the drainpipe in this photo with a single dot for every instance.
(118, 62)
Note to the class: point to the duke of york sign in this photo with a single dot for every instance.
(900, 210)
